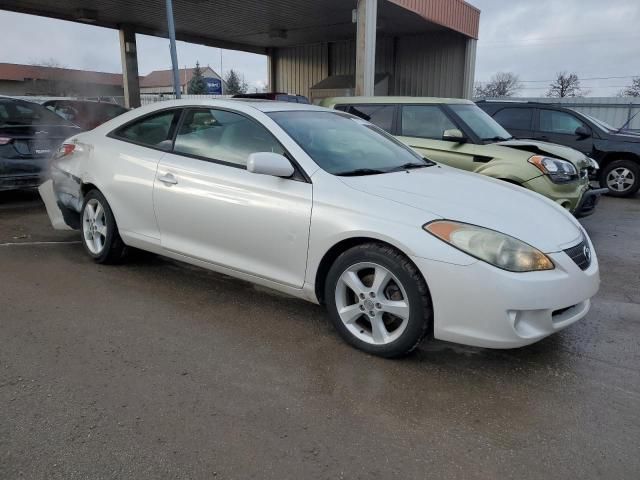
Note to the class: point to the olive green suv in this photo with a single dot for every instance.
(459, 134)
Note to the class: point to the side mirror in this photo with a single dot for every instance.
(582, 132)
(454, 135)
(269, 163)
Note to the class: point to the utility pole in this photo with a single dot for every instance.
(172, 47)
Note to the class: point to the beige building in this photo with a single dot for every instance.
(161, 81)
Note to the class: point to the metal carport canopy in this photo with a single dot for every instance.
(256, 25)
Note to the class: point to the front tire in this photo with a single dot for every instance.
(378, 300)
(621, 177)
(100, 236)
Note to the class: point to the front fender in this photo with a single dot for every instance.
(507, 170)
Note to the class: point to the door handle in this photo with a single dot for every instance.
(168, 179)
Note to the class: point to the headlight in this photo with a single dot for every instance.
(493, 247)
(559, 171)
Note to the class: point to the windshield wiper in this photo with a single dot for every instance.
(412, 166)
(360, 171)
(497, 139)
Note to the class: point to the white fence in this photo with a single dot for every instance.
(616, 111)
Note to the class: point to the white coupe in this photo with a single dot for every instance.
(327, 207)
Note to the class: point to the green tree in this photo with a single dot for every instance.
(197, 85)
(234, 84)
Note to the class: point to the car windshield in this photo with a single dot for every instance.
(485, 127)
(18, 112)
(342, 144)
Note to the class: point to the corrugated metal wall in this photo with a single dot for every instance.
(431, 64)
(299, 68)
(616, 111)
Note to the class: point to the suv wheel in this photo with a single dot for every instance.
(621, 177)
(378, 300)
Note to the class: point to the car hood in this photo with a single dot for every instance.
(625, 136)
(449, 193)
(549, 149)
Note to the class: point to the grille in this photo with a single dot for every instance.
(580, 254)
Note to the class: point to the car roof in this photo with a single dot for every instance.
(257, 104)
(400, 100)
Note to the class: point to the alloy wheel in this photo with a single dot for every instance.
(94, 226)
(620, 179)
(372, 303)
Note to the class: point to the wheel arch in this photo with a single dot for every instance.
(613, 156)
(336, 250)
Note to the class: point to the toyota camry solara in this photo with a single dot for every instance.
(327, 207)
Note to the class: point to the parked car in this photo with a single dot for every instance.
(29, 134)
(277, 96)
(85, 113)
(459, 134)
(617, 151)
(327, 207)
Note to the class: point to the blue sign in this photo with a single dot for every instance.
(214, 86)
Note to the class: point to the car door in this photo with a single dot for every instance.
(127, 161)
(559, 127)
(422, 128)
(518, 121)
(210, 207)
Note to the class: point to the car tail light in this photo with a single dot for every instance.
(5, 140)
(65, 149)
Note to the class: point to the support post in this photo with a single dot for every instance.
(172, 47)
(129, 58)
(271, 69)
(367, 16)
(469, 68)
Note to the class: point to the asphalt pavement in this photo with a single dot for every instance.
(155, 369)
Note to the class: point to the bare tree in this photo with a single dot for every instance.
(502, 84)
(566, 85)
(632, 90)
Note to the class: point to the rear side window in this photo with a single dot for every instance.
(223, 136)
(153, 131)
(380, 115)
(554, 121)
(426, 121)
(515, 118)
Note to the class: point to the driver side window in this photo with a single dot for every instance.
(223, 136)
(563, 123)
(425, 121)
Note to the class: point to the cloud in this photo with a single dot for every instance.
(537, 39)
(95, 48)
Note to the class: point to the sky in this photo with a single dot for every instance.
(533, 38)
(538, 38)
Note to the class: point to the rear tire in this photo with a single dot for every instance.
(378, 300)
(100, 236)
(621, 177)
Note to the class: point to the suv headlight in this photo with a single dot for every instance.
(558, 171)
(495, 248)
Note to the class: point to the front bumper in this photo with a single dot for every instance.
(567, 195)
(589, 200)
(483, 306)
